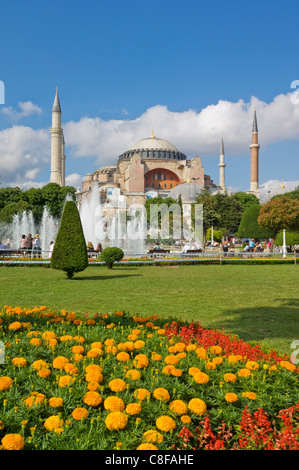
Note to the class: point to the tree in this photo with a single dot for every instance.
(247, 200)
(230, 210)
(280, 213)
(292, 238)
(7, 213)
(110, 255)
(249, 226)
(70, 252)
(210, 214)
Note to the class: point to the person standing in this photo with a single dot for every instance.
(36, 246)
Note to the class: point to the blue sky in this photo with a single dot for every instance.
(192, 70)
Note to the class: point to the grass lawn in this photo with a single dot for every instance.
(258, 303)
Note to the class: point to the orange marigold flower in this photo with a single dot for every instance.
(78, 349)
(15, 326)
(117, 385)
(36, 342)
(77, 357)
(116, 420)
(133, 374)
(56, 402)
(13, 442)
(176, 372)
(230, 377)
(191, 347)
(34, 399)
(97, 344)
(197, 406)
(201, 378)
(19, 361)
(168, 369)
(65, 381)
(114, 404)
(244, 373)
(231, 397)
(152, 436)
(94, 376)
(216, 349)
(71, 369)
(44, 372)
(161, 394)
(193, 370)
(5, 382)
(185, 419)
(210, 365)
(252, 365)
(141, 394)
(39, 364)
(179, 407)
(111, 350)
(92, 398)
(133, 408)
(171, 359)
(93, 368)
(109, 342)
(156, 357)
(287, 365)
(95, 352)
(249, 395)
(53, 422)
(139, 344)
(79, 413)
(201, 353)
(161, 331)
(141, 361)
(165, 423)
(234, 358)
(132, 337)
(217, 360)
(147, 446)
(123, 356)
(93, 386)
(59, 362)
(49, 335)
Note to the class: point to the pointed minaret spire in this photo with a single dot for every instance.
(254, 148)
(56, 106)
(222, 165)
(57, 145)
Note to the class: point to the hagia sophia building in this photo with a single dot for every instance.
(151, 167)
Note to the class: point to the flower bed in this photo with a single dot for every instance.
(117, 381)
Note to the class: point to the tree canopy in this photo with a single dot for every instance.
(249, 226)
(280, 213)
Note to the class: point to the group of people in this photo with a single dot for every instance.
(31, 244)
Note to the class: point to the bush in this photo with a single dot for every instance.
(249, 226)
(110, 255)
(292, 238)
(70, 252)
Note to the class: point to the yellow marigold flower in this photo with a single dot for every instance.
(79, 413)
(133, 408)
(156, 357)
(165, 423)
(94, 376)
(15, 326)
(71, 369)
(123, 357)
(210, 365)
(197, 406)
(56, 402)
(176, 372)
(39, 364)
(171, 359)
(116, 420)
(249, 395)
(19, 361)
(133, 374)
(252, 365)
(65, 381)
(141, 394)
(201, 378)
(147, 446)
(117, 385)
(244, 373)
(234, 358)
(59, 362)
(185, 419)
(152, 436)
(161, 394)
(44, 372)
(287, 365)
(97, 345)
(139, 344)
(201, 353)
(179, 407)
(231, 397)
(230, 377)
(193, 370)
(13, 442)
(53, 422)
(5, 383)
(141, 361)
(114, 404)
(92, 398)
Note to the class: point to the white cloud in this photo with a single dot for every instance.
(272, 187)
(192, 132)
(74, 180)
(27, 109)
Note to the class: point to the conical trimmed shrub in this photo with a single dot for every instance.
(70, 252)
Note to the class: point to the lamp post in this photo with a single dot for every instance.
(284, 243)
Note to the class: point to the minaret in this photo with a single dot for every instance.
(57, 145)
(222, 165)
(254, 147)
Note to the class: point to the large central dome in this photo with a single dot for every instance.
(153, 147)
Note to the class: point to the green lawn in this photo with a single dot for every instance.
(258, 303)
